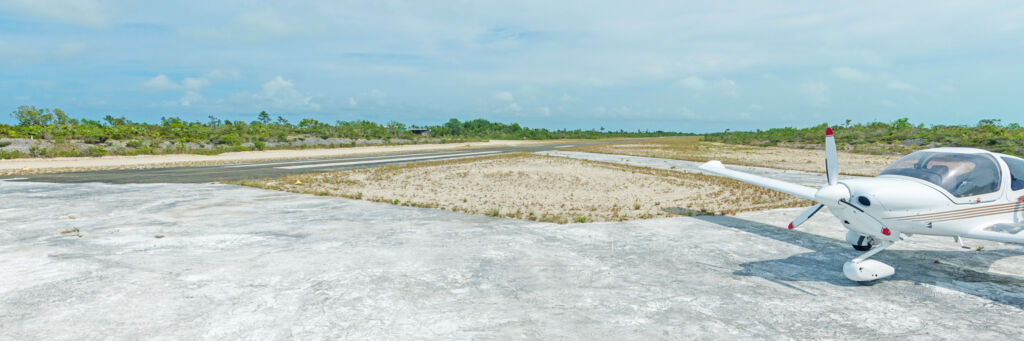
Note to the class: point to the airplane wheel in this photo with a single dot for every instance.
(859, 242)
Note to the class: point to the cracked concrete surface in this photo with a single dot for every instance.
(239, 262)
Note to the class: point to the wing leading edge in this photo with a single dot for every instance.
(716, 167)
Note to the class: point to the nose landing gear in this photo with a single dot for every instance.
(859, 242)
(862, 269)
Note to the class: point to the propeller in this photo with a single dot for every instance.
(830, 192)
(831, 158)
(806, 214)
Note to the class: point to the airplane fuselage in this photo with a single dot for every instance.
(911, 205)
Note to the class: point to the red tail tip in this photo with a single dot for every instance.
(828, 131)
(790, 226)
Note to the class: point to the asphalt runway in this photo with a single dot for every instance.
(273, 169)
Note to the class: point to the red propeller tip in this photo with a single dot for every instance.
(828, 131)
(790, 226)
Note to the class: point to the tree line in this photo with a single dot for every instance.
(896, 137)
(56, 125)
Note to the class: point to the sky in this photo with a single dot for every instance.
(653, 65)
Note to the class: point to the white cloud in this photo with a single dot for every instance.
(161, 82)
(545, 111)
(192, 86)
(375, 96)
(727, 87)
(850, 74)
(190, 97)
(897, 85)
(693, 83)
(504, 96)
(281, 94)
(88, 13)
(817, 91)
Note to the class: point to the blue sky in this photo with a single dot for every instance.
(686, 66)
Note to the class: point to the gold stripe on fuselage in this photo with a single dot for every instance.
(973, 212)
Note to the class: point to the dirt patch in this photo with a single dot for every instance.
(691, 148)
(543, 188)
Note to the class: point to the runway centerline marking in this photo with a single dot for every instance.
(352, 163)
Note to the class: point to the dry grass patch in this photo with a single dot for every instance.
(541, 188)
(691, 148)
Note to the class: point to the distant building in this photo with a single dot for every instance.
(419, 131)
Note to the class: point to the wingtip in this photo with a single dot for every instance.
(712, 164)
(828, 131)
(790, 225)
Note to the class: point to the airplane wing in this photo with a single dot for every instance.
(716, 167)
(1006, 233)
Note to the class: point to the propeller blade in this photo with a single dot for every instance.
(800, 219)
(831, 158)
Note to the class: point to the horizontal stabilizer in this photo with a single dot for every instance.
(716, 167)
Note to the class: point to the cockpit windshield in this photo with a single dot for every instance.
(959, 173)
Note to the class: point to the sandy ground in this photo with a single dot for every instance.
(70, 164)
(809, 179)
(244, 263)
(691, 149)
(541, 188)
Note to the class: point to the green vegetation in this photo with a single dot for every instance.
(174, 135)
(896, 137)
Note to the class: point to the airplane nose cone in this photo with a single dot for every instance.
(832, 194)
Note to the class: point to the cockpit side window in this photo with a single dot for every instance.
(1016, 172)
(961, 174)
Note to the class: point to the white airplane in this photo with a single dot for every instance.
(955, 192)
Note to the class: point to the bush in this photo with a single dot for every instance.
(95, 151)
(10, 154)
(229, 139)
